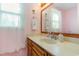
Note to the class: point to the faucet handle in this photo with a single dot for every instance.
(54, 36)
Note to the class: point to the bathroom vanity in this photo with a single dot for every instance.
(36, 50)
(52, 21)
(37, 47)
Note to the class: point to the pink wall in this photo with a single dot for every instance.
(70, 21)
(28, 17)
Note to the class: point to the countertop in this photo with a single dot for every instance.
(65, 48)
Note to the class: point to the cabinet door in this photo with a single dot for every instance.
(29, 51)
(38, 50)
(34, 53)
(34, 49)
(29, 47)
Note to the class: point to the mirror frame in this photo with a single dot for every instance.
(65, 34)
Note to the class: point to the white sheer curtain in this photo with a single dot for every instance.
(11, 27)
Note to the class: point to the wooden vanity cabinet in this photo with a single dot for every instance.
(34, 49)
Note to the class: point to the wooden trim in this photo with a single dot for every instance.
(47, 5)
(65, 34)
(41, 22)
(43, 4)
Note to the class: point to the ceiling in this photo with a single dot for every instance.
(65, 6)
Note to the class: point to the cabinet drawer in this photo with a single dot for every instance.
(38, 50)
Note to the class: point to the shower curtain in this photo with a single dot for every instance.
(11, 27)
(11, 39)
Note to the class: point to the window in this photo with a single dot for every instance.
(56, 20)
(10, 15)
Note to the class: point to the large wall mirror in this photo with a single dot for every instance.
(60, 17)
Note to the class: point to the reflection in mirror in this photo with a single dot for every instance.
(61, 17)
(53, 20)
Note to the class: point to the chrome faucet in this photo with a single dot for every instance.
(52, 36)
